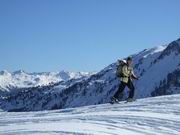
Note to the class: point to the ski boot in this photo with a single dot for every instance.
(114, 100)
(130, 100)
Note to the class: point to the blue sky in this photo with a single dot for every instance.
(81, 35)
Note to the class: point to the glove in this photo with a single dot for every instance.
(134, 77)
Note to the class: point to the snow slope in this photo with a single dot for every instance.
(150, 116)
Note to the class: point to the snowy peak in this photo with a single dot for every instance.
(5, 73)
(19, 72)
(65, 75)
(172, 47)
(147, 52)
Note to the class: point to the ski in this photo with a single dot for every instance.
(122, 102)
(130, 101)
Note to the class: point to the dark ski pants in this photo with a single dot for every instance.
(122, 87)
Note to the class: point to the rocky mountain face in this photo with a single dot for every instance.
(158, 69)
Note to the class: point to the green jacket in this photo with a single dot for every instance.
(127, 73)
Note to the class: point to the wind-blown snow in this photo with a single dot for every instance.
(150, 116)
(151, 51)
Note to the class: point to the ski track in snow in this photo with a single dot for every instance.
(150, 116)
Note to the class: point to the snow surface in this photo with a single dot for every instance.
(150, 116)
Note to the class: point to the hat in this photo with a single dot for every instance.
(129, 58)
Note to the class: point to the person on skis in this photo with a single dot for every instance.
(126, 75)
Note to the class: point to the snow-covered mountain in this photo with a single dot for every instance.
(158, 68)
(149, 116)
(21, 79)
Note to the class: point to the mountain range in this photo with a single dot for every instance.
(22, 79)
(158, 69)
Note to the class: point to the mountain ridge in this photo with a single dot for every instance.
(23, 79)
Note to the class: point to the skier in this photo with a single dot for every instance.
(126, 74)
